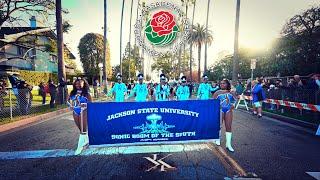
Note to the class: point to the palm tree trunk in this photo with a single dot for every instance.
(61, 67)
(199, 61)
(135, 42)
(236, 46)
(130, 39)
(104, 81)
(190, 61)
(184, 45)
(206, 42)
(121, 36)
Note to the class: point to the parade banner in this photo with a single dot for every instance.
(153, 122)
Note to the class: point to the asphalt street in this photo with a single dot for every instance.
(266, 147)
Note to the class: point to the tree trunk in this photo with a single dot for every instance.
(179, 61)
(199, 62)
(184, 45)
(104, 81)
(61, 67)
(190, 61)
(135, 43)
(121, 23)
(235, 70)
(130, 40)
(206, 40)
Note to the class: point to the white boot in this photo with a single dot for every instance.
(228, 141)
(86, 139)
(217, 142)
(81, 144)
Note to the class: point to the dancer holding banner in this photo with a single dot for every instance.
(162, 90)
(205, 89)
(183, 90)
(227, 98)
(79, 96)
(118, 90)
(140, 90)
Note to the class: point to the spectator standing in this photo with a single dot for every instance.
(53, 93)
(62, 89)
(96, 84)
(297, 82)
(2, 93)
(258, 95)
(272, 93)
(239, 88)
(317, 78)
(14, 81)
(42, 92)
(25, 97)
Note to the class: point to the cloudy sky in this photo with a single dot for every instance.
(260, 22)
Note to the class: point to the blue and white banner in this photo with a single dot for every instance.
(153, 122)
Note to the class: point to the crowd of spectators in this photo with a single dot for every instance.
(295, 89)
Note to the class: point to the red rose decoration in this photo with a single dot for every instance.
(162, 23)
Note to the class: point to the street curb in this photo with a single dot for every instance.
(26, 121)
(288, 120)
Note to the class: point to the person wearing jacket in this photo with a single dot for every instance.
(183, 91)
(52, 92)
(140, 90)
(119, 90)
(162, 91)
(205, 89)
(258, 96)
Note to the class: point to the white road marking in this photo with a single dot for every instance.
(315, 175)
(101, 151)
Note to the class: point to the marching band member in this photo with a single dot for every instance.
(118, 90)
(205, 89)
(78, 97)
(227, 98)
(140, 90)
(183, 90)
(162, 90)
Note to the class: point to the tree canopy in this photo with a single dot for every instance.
(297, 51)
(91, 54)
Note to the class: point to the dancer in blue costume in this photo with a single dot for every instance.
(162, 90)
(183, 91)
(119, 90)
(205, 89)
(140, 90)
(227, 99)
(77, 100)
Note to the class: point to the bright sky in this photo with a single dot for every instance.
(260, 22)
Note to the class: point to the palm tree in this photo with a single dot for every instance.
(206, 44)
(199, 36)
(190, 61)
(135, 41)
(235, 69)
(104, 81)
(121, 36)
(130, 39)
(61, 68)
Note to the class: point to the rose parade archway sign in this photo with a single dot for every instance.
(153, 122)
(161, 28)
